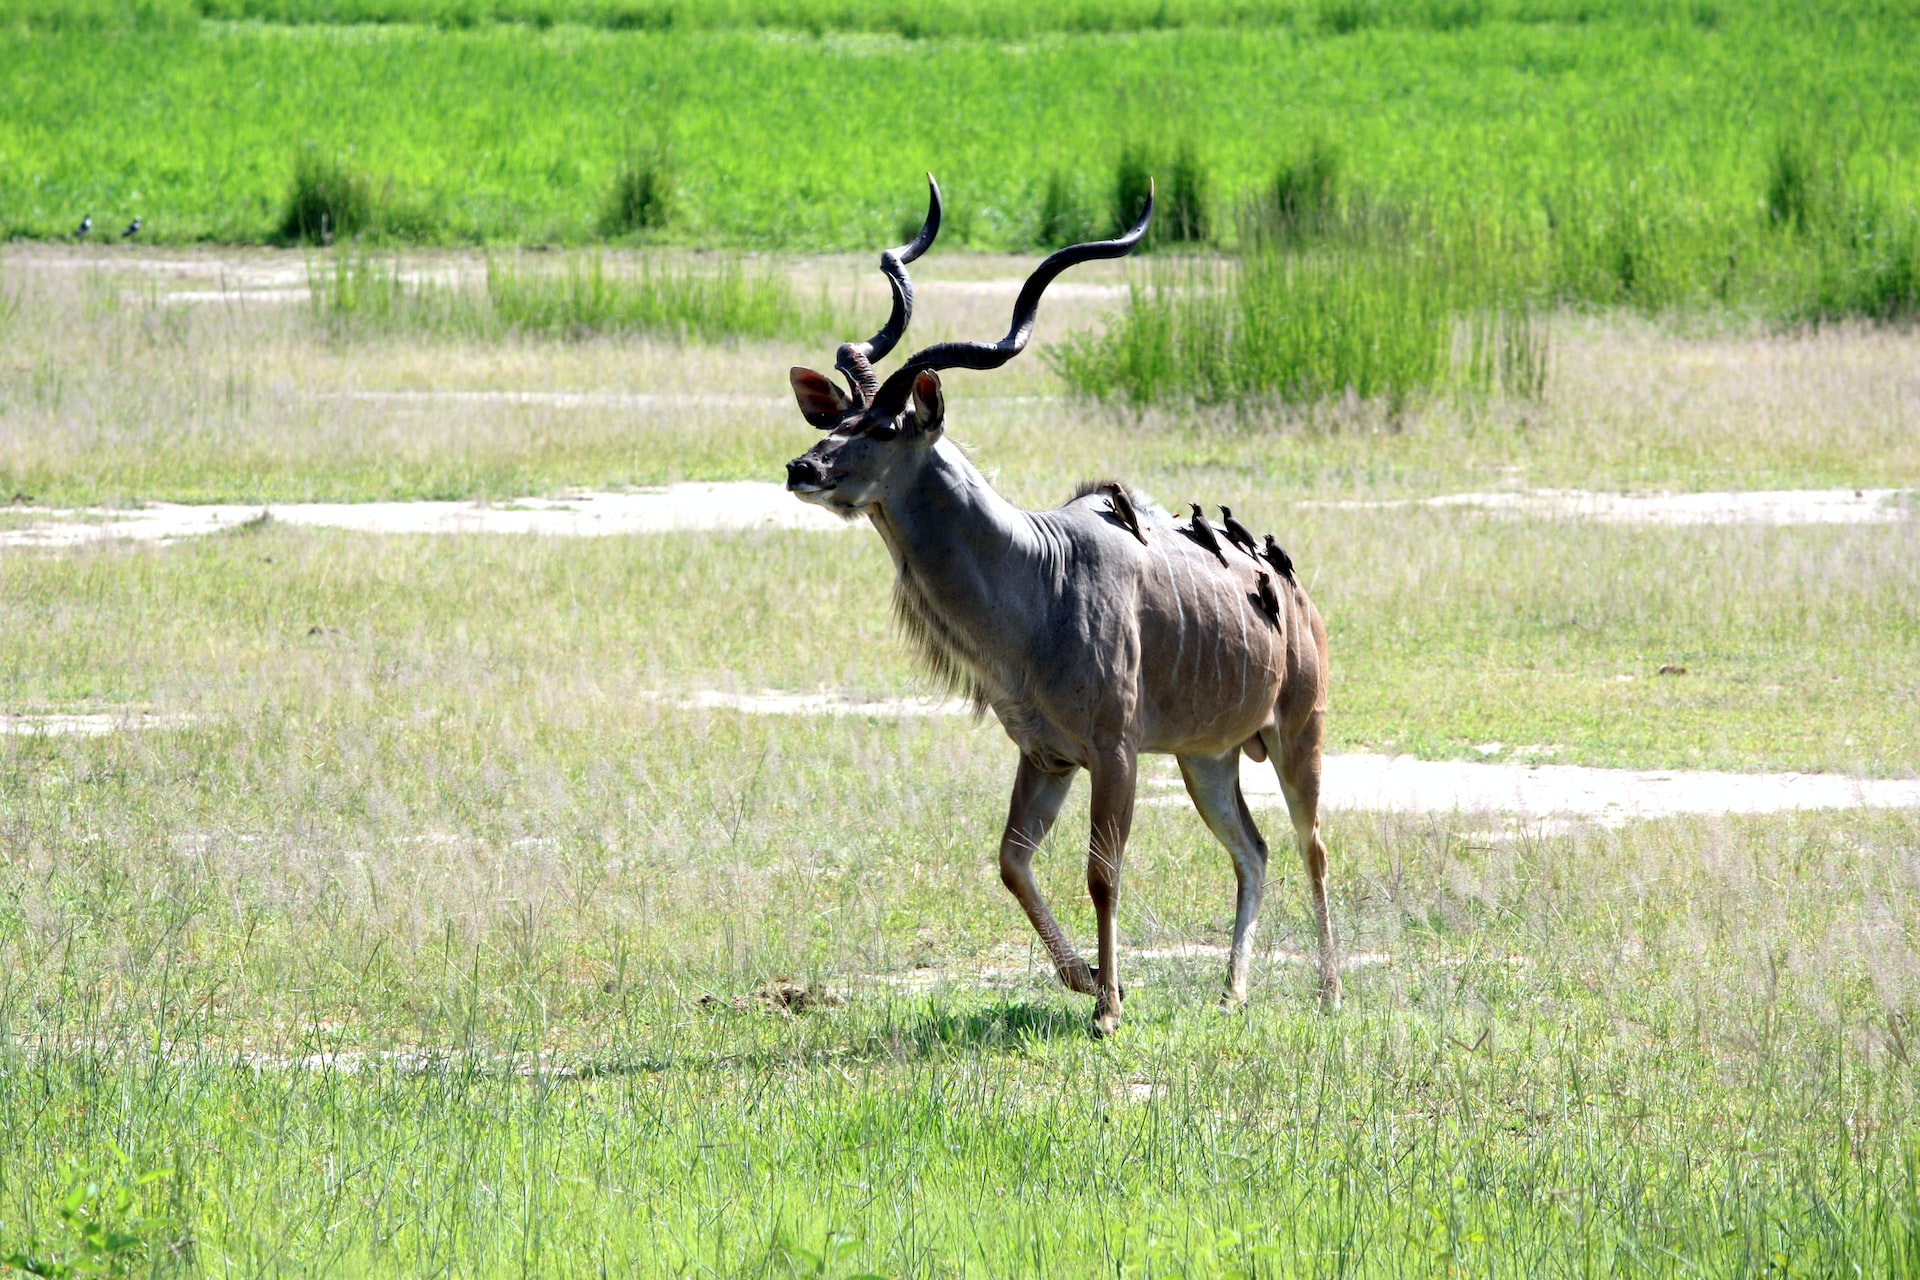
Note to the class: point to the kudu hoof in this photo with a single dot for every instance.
(1096, 986)
(1105, 1023)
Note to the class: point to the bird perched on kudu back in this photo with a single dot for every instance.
(1277, 557)
(1237, 533)
(86, 225)
(1123, 509)
(1202, 533)
(1268, 601)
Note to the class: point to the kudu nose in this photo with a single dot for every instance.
(804, 470)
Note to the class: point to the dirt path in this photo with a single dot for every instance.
(1764, 506)
(752, 504)
(681, 507)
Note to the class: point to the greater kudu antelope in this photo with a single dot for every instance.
(1091, 642)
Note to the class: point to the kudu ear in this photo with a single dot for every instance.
(822, 403)
(929, 405)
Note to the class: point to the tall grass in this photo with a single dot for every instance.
(992, 19)
(327, 201)
(517, 136)
(642, 195)
(1327, 297)
(356, 291)
(1335, 291)
(331, 200)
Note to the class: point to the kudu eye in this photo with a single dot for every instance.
(881, 431)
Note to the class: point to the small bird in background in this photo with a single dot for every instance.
(1203, 533)
(1237, 533)
(133, 229)
(1279, 559)
(86, 225)
(1268, 601)
(1123, 509)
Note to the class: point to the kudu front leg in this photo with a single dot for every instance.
(1113, 776)
(1037, 797)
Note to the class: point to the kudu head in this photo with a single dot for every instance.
(879, 437)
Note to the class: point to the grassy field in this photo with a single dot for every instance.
(1659, 122)
(426, 938)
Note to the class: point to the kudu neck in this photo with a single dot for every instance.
(971, 566)
(949, 511)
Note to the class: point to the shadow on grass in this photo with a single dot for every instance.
(1004, 1024)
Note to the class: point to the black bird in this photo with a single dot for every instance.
(133, 229)
(1237, 533)
(1268, 601)
(1203, 533)
(1279, 559)
(1123, 509)
(86, 225)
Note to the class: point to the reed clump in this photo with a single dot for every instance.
(581, 296)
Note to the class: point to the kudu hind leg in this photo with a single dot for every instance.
(1298, 765)
(1037, 797)
(1214, 784)
(1113, 775)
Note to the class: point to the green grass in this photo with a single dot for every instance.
(991, 19)
(502, 134)
(446, 821)
(363, 293)
(423, 804)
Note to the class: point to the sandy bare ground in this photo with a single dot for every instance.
(1550, 794)
(87, 724)
(1365, 781)
(752, 504)
(675, 508)
(1769, 506)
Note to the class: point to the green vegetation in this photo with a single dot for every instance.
(988, 19)
(422, 935)
(426, 810)
(501, 134)
(1469, 165)
(357, 291)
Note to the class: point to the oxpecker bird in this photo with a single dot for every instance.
(1123, 509)
(86, 225)
(1268, 601)
(133, 229)
(1203, 533)
(1237, 533)
(1279, 559)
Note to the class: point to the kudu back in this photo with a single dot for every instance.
(1096, 631)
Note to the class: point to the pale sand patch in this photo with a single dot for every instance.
(676, 508)
(571, 399)
(87, 724)
(755, 504)
(1403, 784)
(1773, 507)
(774, 703)
(1366, 781)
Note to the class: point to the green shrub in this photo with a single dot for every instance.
(1301, 204)
(1132, 179)
(1063, 217)
(1275, 326)
(1790, 185)
(360, 291)
(1180, 210)
(328, 201)
(1183, 216)
(642, 196)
